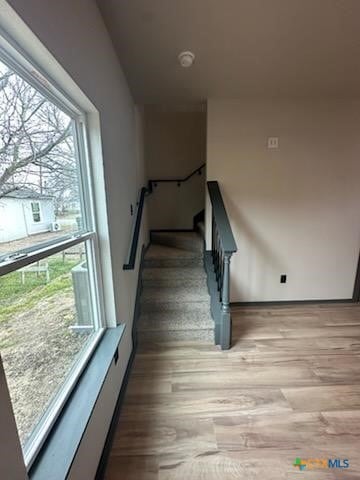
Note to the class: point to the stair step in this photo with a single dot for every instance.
(189, 241)
(164, 256)
(173, 277)
(175, 303)
(171, 306)
(183, 298)
(175, 321)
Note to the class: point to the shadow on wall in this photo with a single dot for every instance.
(254, 263)
(174, 207)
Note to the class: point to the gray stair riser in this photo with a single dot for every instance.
(173, 262)
(147, 307)
(184, 294)
(204, 335)
(176, 242)
(174, 322)
(176, 272)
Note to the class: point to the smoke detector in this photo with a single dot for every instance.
(186, 59)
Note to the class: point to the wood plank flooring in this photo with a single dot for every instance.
(289, 387)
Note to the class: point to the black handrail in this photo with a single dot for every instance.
(135, 240)
(179, 181)
(225, 233)
(146, 191)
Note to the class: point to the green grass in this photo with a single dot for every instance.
(17, 298)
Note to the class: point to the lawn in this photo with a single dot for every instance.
(16, 297)
(37, 345)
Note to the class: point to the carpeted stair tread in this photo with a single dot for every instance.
(174, 294)
(165, 251)
(175, 321)
(189, 241)
(175, 303)
(174, 276)
(163, 256)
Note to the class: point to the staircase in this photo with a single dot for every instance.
(175, 303)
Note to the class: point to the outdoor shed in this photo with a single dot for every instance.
(25, 212)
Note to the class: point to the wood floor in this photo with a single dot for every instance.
(289, 387)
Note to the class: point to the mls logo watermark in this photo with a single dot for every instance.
(316, 463)
(337, 463)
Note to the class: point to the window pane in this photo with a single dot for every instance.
(39, 172)
(35, 207)
(46, 322)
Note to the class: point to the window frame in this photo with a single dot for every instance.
(87, 234)
(37, 212)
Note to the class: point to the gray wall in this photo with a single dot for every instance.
(175, 145)
(73, 31)
(294, 210)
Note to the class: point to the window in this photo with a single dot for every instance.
(50, 287)
(35, 208)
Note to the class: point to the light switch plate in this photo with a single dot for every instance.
(273, 142)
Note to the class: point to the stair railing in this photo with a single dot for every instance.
(130, 265)
(178, 181)
(135, 239)
(222, 247)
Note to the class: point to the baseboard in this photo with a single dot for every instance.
(138, 295)
(116, 415)
(114, 421)
(285, 303)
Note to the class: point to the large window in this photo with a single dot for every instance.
(50, 315)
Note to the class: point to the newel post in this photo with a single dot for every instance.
(225, 332)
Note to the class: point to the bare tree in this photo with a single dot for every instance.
(36, 142)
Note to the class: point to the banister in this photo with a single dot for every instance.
(222, 247)
(222, 221)
(179, 181)
(135, 240)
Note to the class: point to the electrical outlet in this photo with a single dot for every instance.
(273, 142)
(283, 278)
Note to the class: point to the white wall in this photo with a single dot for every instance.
(47, 215)
(12, 220)
(74, 33)
(294, 210)
(16, 218)
(175, 145)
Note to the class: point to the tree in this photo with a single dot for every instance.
(36, 142)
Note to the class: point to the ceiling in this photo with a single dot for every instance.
(272, 48)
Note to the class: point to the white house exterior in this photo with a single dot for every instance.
(23, 213)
